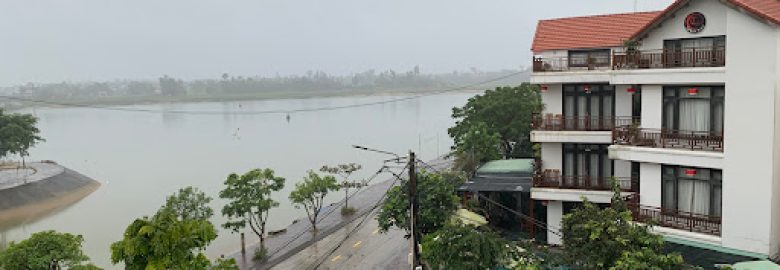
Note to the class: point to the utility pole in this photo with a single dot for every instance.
(414, 212)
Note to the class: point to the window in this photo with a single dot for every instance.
(692, 52)
(597, 104)
(694, 108)
(693, 190)
(582, 161)
(590, 58)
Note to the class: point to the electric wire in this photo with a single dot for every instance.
(371, 213)
(280, 111)
(325, 215)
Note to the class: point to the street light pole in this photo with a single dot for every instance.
(414, 211)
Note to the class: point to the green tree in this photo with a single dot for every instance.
(436, 198)
(174, 238)
(249, 200)
(595, 238)
(457, 246)
(477, 146)
(224, 264)
(189, 203)
(506, 111)
(18, 133)
(45, 250)
(345, 171)
(310, 194)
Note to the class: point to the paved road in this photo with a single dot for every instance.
(366, 248)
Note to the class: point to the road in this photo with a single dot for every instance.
(366, 248)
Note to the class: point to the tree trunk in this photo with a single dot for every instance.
(346, 198)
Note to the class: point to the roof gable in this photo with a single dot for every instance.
(589, 32)
(765, 9)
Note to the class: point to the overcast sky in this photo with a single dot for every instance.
(80, 40)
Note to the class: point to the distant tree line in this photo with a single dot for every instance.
(227, 84)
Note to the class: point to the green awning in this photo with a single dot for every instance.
(756, 265)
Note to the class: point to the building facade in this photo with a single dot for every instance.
(679, 106)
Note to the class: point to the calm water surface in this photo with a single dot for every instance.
(140, 158)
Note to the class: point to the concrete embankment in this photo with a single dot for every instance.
(43, 196)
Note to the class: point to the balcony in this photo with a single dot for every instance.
(636, 59)
(557, 122)
(665, 138)
(676, 219)
(670, 58)
(554, 179)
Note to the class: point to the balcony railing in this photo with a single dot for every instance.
(670, 58)
(637, 59)
(548, 64)
(557, 122)
(676, 219)
(554, 179)
(665, 138)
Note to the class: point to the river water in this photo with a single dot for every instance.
(140, 158)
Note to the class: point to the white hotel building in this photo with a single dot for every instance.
(686, 118)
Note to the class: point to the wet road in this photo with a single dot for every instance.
(365, 248)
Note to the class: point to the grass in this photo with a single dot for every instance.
(261, 254)
(346, 211)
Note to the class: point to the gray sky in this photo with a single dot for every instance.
(78, 40)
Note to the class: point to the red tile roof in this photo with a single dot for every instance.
(589, 32)
(766, 9)
(611, 30)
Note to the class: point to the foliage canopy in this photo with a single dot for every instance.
(249, 200)
(45, 250)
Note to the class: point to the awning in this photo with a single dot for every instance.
(470, 218)
(756, 265)
(494, 184)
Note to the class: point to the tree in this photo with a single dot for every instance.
(595, 238)
(310, 194)
(174, 238)
(249, 200)
(436, 198)
(506, 111)
(345, 171)
(18, 133)
(477, 146)
(189, 203)
(457, 246)
(45, 250)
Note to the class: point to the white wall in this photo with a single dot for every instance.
(774, 242)
(553, 99)
(673, 28)
(623, 101)
(554, 217)
(751, 63)
(552, 156)
(652, 106)
(622, 168)
(650, 184)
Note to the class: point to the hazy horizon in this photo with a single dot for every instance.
(48, 41)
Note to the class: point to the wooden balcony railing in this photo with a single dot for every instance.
(670, 58)
(557, 122)
(676, 219)
(554, 179)
(664, 138)
(637, 59)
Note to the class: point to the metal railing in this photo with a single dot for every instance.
(665, 138)
(636, 59)
(670, 58)
(554, 179)
(557, 122)
(676, 219)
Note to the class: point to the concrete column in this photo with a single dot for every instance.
(652, 106)
(553, 99)
(650, 184)
(552, 156)
(554, 218)
(623, 101)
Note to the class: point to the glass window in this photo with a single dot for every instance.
(693, 190)
(694, 108)
(587, 162)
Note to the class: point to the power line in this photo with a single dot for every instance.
(282, 111)
(371, 212)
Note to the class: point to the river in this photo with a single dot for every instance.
(140, 157)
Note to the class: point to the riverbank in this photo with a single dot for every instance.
(255, 96)
(49, 190)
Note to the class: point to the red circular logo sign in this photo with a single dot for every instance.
(695, 22)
